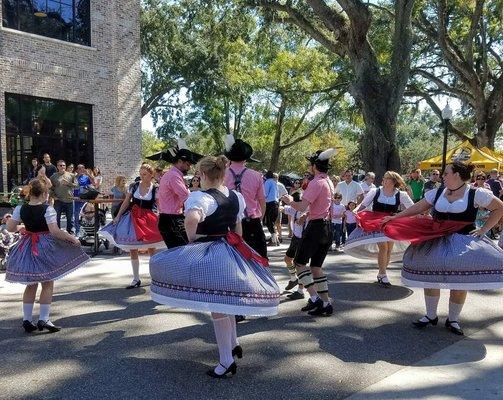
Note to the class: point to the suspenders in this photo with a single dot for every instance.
(237, 183)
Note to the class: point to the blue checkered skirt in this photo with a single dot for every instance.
(213, 276)
(460, 262)
(361, 244)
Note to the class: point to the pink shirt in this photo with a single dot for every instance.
(252, 188)
(172, 192)
(319, 195)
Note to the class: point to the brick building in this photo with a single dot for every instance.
(70, 85)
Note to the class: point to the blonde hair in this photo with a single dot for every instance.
(399, 182)
(120, 182)
(36, 188)
(148, 168)
(213, 167)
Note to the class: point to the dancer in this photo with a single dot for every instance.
(44, 254)
(173, 193)
(317, 237)
(367, 241)
(448, 252)
(217, 271)
(135, 225)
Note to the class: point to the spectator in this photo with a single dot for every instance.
(41, 174)
(195, 184)
(49, 168)
(271, 206)
(83, 181)
(350, 190)
(337, 211)
(32, 171)
(368, 182)
(495, 184)
(335, 180)
(70, 168)
(306, 180)
(281, 192)
(350, 218)
(97, 178)
(118, 192)
(159, 172)
(433, 182)
(63, 184)
(296, 190)
(480, 181)
(415, 183)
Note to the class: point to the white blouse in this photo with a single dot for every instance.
(368, 200)
(50, 215)
(483, 198)
(147, 196)
(207, 205)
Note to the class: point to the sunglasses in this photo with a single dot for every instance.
(480, 178)
(61, 165)
(435, 174)
(88, 212)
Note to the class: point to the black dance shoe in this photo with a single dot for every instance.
(453, 329)
(313, 305)
(29, 326)
(237, 351)
(292, 284)
(382, 283)
(295, 296)
(323, 311)
(232, 369)
(421, 324)
(41, 325)
(240, 318)
(134, 284)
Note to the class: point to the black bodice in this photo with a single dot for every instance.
(469, 215)
(381, 207)
(224, 218)
(148, 204)
(33, 217)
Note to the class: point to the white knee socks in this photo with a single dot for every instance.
(28, 311)
(234, 335)
(431, 306)
(136, 269)
(454, 311)
(45, 310)
(223, 334)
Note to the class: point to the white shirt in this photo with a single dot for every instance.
(147, 196)
(349, 192)
(483, 198)
(50, 215)
(281, 190)
(368, 200)
(350, 217)
(366, 187)
(296, 227)
(207, 205)
(337, 209)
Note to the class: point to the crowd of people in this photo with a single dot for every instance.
(207, 242)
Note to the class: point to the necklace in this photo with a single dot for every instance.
(451, 191)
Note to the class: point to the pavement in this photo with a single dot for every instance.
(118, 344)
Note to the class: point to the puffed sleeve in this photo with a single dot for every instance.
(16, 214)
(483, 197)
(369, 197)
(405, 199)
(429, 196)
(242, 206)
(201, 202)
(50, 215)
(288, 210)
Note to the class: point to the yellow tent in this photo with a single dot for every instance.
(468, 153)
(493, 153)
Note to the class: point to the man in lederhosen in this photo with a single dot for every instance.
(172, 194)
(317, 236)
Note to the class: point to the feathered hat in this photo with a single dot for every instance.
(181, 152)
(321, 158)
(238, 150)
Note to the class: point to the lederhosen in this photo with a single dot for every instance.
(172, 229)
(295, 241)
(387, 208)
(469, 215)
(253, 233)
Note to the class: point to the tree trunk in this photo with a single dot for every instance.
(276, 145)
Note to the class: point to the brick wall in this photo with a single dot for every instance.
(106, 75)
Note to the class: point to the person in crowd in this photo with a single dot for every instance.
(336, 179)
(195, 184)
(296, 193)
(415, 183)
(271, 207)
(368, 182)
(118, 192)
(70, 168)
(32, 171)
(135, 225)
(305, 181)
(41, 175)
(350, 218)
(215, 252)
(337, 211)
(350, 190)
(366, 241)
(172, 195)
(44, 254)
(495, 184)
(63, 184)
(317, 237)
(97, 178)
(50, 169)
(83, 181)
(480, 180)
(159, 172)
(433, 182)
(281, 192)
(447, 250)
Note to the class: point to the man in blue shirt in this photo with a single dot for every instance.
(83, 181)
(271, 206)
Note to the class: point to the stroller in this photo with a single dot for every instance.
(88, 228)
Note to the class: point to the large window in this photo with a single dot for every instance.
(67, 20)
(35, 126)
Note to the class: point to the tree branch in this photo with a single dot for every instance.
(467, 97)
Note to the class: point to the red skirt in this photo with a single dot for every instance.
(145, 225)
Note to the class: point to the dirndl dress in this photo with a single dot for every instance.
(39, 256)
(220, 273)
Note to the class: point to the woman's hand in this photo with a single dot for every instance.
(386, 219)
(115, 220)
(480, 232)
(73, 240)
(287, 199)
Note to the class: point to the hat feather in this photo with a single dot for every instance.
(182, 144)
(325, 155)
(229, 141)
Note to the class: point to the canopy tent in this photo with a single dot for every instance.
(465, 152)
(493, 153)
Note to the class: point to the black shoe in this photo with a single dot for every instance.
(240, 318)
(237, 351)
(232, 369)
(292, 284)
(325, 311)
(312, 305)
(453, 329)
(295, 296)
(134, 285)
(29, 326)
(382, 283)
(41, 325)
(421, 324)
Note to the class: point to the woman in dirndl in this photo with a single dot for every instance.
(44, 254)
(367, 240)
(448, 251)
(216, 272)
(135, 226)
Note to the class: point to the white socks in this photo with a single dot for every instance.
(234, 335)
(431, 306)
(454, 311)
(28, 311)
(223, 334)
(45, 310)
(136, 269)
(383, 278)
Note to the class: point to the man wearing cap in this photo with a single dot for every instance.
(251, 185)
(172, 194)
(317, 236)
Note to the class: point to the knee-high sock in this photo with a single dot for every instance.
(454, 311)
(136, 269)
(431, 306)
(234, 334)
(27, 311)
(223, 335)
(45, 310)
(292, 271)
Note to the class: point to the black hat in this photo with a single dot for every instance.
(181, 152)
(238, 150)
(321, 158)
